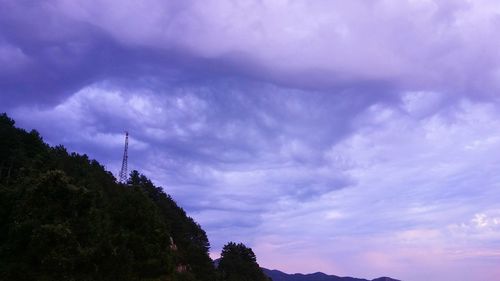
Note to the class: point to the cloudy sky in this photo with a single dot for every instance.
(352, 137)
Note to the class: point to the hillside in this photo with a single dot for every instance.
(64, 217)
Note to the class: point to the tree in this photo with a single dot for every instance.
(239, 263)
(190, 239)
(48, 230)
(64, 217)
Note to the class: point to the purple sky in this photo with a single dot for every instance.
(352, 137)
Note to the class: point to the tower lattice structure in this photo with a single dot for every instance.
(122, 177)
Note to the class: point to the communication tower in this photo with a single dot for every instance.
(122, 177)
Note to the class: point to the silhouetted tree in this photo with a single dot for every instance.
(239, 263)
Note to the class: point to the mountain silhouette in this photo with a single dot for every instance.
(277, 275)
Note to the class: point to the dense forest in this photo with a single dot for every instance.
(64, 217)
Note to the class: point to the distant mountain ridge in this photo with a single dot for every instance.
(277, 275)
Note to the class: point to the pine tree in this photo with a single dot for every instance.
(239, 263)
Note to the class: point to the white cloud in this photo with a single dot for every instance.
(395, 188)
(413, 179)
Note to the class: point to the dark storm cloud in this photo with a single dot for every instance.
(57, 47)
(59, 54)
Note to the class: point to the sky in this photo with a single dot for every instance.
(354, 137)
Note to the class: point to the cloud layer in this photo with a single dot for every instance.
(325, 135)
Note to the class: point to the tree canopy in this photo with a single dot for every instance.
(64, 217)
(239, 263)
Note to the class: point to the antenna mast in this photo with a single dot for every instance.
(122, 178)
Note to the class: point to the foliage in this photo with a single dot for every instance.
(239, 263)
(190, 239)
(64, 217)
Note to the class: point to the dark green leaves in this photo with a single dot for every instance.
(239, 263)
